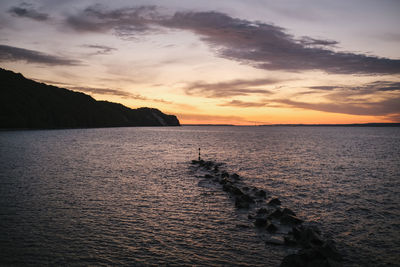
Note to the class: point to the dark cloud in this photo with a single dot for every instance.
(270, 47)
(365, 89)
(384, 86)
(27, 11)
(11, 53)
(122, 21)
(308, 41)
(324, 88)
(101, 49)
(230, 88)
(261, 45)
(378, 98)
(243, 104)
(377, 108)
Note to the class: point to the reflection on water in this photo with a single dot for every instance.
(127, 195)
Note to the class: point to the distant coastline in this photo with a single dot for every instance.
(307, 125)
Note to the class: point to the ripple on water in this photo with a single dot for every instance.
(125, 196)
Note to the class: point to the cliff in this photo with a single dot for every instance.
(31, 105)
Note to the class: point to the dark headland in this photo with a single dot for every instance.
(26, 104)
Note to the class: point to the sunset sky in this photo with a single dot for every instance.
(220, 62)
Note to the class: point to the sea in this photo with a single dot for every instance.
(130, 196)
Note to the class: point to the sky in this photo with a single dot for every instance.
(216, 62)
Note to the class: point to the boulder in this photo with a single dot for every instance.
(224, 181)
(236, 191)
(290, 219)
(259, 222)
(274, 201)
(307, 236)
(330, 251)
(227, 187)
(271, 228)
(262, 211)
(275, 240)
(288, 212)
(235, 176)
(216, 168)
(277, 213)
(243, 201)
(261, 193)
(290, 240)
(224, 174)
(293, 260)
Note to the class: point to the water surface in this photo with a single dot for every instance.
(128, 195)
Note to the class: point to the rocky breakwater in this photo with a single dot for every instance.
(278, 225)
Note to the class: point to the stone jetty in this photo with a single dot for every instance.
(281, 225)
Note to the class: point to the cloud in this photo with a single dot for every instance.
(123, 21)
(377, 108)
(27, 11)
(11, 53)
(116, 92)
(385, 86)
(101, 49)
(243, 104)
(323, 87)
(308, 41)
(269, 47)
(365, 89)
(258, 44)
(229, 88)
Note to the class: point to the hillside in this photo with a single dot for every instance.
(31, 105)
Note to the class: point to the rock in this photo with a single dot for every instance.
(224, 181)
(288, 211)
(208, 176)
(261, 193)
(250, 217)
(208, 164)
(236, 191)
(241, 204)
(277, 213)
(274, 201)
(243, 201)
(316, 257)
(290, 240)
(329, 250)
(307, 236)
(227, 187)
(333, 263)
(216, 168)
(275, 240)
(245, 188)
(260, 222)
(224, 175)
(272, 228)
(235, 176)
(293, 260)
(290, 219)
(262, 211)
